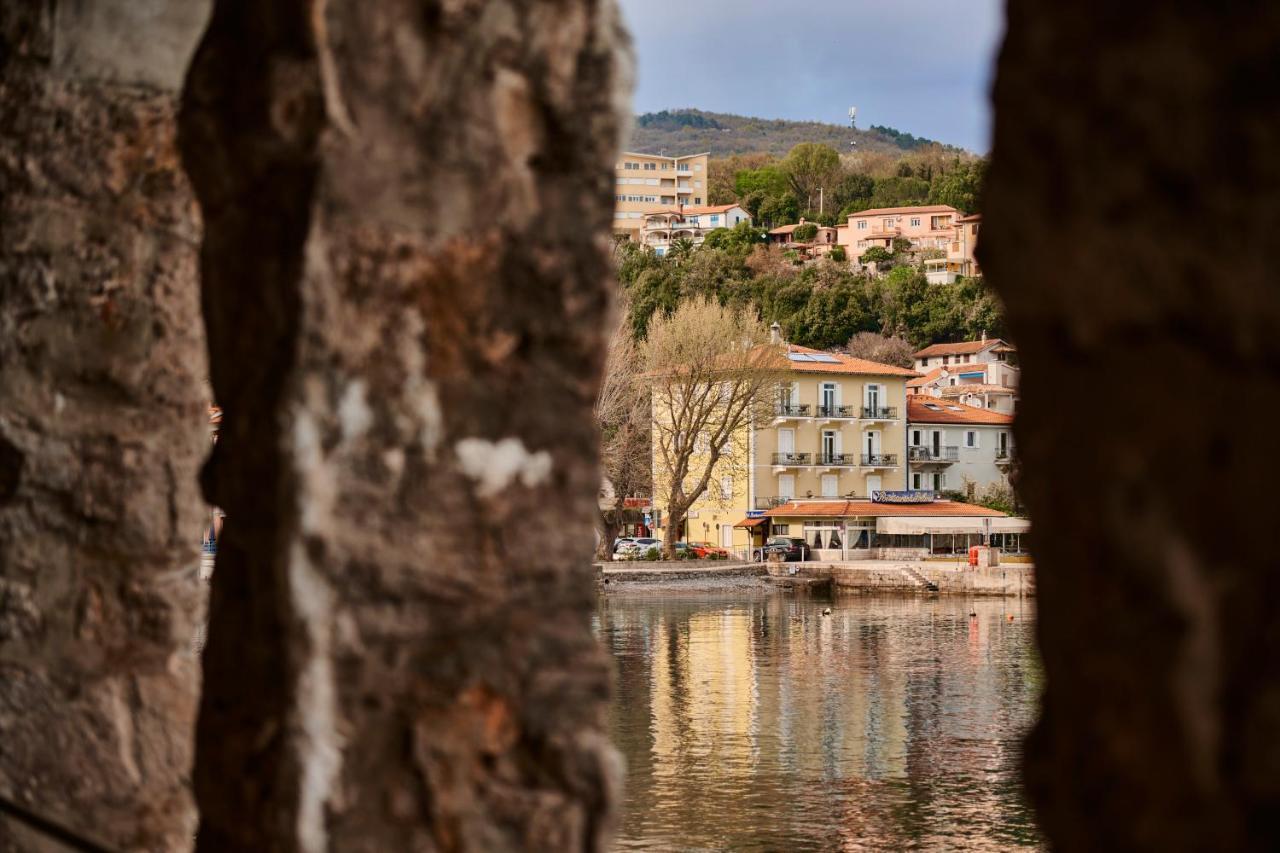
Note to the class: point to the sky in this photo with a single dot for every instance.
(921, 66)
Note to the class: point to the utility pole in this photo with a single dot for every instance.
(821, 200)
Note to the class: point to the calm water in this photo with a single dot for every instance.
(750, 721)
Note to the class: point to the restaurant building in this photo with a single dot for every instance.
(889, 525)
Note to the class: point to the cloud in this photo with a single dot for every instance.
(922, 66)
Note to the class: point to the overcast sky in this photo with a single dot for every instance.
(922, 66)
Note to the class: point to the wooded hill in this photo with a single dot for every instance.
(689, 131)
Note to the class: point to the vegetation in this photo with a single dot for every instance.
(821, 304)
(884, 349)
(816, 182)
(622, 416)
(691, 131)
(708, 368)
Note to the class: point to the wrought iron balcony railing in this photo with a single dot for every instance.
(770, 503)
(798, 410)
(835, 411)
(836, 459)
(881, 413)
(792, 458)
(879, 460)
(930, 454)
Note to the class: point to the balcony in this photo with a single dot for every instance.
(792, 460)
(933, 456)
(836, 460)
(831, 413)
(790, 411)
(1004, 457)
(770, 503)
(879, 460)
(879, 413)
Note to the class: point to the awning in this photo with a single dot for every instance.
(751, 522)
(959, 524)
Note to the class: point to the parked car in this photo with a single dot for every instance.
(620, 541)
(707, 551)
(792, 548)
(637, 547)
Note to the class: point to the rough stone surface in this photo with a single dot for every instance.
(101, 432)
(1131, 213)
(405, 277)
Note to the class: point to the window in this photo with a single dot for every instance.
(946, 359)
(971, 438)
(715, 219)
(633, 165)
(781, 529)
(698, 200)
(888, 223)
(829, 486)
(650, 167)
(915, 481)
(915, 223)
(862, 224)
(786, 486)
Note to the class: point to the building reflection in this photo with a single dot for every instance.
(764, 724)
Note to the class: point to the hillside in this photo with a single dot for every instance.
(694, 131)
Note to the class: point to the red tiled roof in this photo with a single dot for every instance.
(926, 379)
(871, 509)
(962, 348)
(917, 413)
(972, 217)
(889, 211)
(751, 522)
(844, 364)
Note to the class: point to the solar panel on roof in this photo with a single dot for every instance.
(799, 356)
(824, 358)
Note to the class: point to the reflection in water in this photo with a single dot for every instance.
(753, 722)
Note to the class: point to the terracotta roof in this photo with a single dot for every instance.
(871, 509)
(888, 211)
(919, 413)
(844, 364)
(972, 217)
(926, 379)
(976, 388)
(962, 348)
(751, 522)
(787, 229)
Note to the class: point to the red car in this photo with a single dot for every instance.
(706, 551)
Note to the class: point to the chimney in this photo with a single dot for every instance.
(775, 334)
(984, 336)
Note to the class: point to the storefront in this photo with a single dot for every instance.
(904, 527)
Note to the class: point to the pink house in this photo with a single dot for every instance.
(927, 227)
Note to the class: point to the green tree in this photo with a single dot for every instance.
(810, 166)
(876, 255)
(804, 233)
(752, 201)
(780, 210)
(960, 186)
(852, 193)
(742, 237)
(769, 179)
(900, 192)
(838, 254)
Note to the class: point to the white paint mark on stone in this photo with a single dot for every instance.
(494, 466)
(354, 415)
(426, 404)
(319, 491)
(316, 742)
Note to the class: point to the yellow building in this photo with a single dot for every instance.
(837, 430)
(650, 183)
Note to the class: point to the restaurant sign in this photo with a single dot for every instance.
(636, 503)
(913, 496)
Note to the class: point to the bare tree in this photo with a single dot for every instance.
(881, 348)
(622, 416)
(711, 372)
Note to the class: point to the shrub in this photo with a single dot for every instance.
(652, 555)
(838, 254)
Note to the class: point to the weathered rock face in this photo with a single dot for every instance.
(407, 207)
(1130, 219)
(102, 427)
